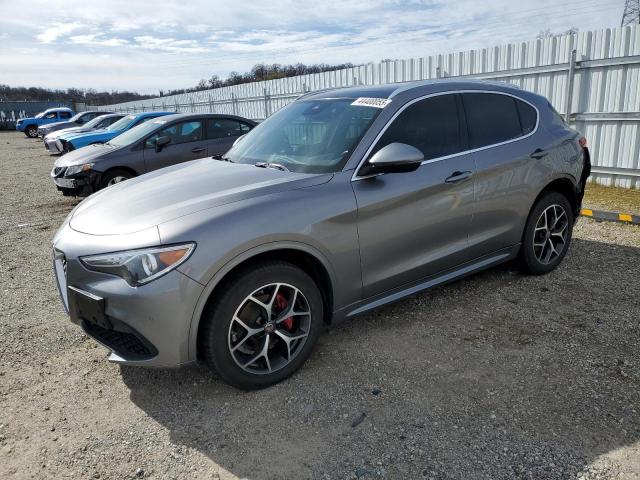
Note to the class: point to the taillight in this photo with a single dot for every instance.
(582, 142)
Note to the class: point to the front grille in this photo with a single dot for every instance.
(127, 345)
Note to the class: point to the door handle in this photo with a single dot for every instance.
(197, 149)
(538, 153)
(457, 177)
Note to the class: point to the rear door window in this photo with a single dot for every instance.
(224, 128)
(65, 114)
(491, 118)
(431, 125)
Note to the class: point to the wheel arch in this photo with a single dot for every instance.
(111, 169)
(565, 186)
(307, 258)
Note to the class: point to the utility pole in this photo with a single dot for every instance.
(631, 14)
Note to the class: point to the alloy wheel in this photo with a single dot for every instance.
(550, 234)
(116, 179)
(269, 328)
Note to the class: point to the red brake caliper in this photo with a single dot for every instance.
(282, 304)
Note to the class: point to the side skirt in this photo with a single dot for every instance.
(447, 276)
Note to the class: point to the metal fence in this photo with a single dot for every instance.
(593, 78)
(10, 112)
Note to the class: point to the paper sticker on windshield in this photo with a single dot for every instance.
(372, 102)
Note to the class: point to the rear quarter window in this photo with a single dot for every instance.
(528, 117)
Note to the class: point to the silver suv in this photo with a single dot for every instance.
(341, 202)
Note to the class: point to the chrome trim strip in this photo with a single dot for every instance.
(355, 176)
(61, 277)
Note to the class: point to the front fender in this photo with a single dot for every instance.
(234, 262)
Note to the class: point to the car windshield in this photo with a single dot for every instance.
(94, 122)
(308, 136)
(75, 117)
(136, 133)
(122, 123)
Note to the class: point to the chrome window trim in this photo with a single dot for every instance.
(355, 175)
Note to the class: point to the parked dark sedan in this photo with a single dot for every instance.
(158, 143)
(77, 120)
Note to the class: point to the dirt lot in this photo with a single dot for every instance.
(498, 376)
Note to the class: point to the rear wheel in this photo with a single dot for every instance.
(114, 176)
(548, 234)
(263, 325)
(31, 131)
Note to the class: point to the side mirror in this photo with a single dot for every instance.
(394, 158)
(161, 142)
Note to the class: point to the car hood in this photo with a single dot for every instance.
(180, 190)
(68, 136)
(66, 131)
(56, 124)
(88, 154)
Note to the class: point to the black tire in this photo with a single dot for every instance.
(532, 255)
(215, 336)
(113, 176)
(31, 131)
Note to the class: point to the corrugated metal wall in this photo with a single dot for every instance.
(594, 76)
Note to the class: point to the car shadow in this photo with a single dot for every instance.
(500, 375)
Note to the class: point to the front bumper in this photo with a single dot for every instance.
(80, 185)
(147, 325)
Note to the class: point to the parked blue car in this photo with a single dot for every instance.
(74, 140)
(30, 125)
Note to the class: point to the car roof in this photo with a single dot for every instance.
(148, 114)
(59, 109)
(186, 116)
(110, 114)
(390, 90)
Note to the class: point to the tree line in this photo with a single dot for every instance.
(258, 73)
(89, 95)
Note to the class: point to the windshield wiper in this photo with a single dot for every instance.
(277, 166)
(222, 158)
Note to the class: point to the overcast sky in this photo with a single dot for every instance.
(150, 45)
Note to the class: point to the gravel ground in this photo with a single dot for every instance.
(497, 376)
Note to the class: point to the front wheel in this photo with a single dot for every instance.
(262, 327)
(114, 176)
(547, 234)
(31, 131)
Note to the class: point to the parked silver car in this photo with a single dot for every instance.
(341, 202)
(155, 144)
(103, 121)
(78, 120)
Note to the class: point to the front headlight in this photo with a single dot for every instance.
(138, 267)
(73, 169)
